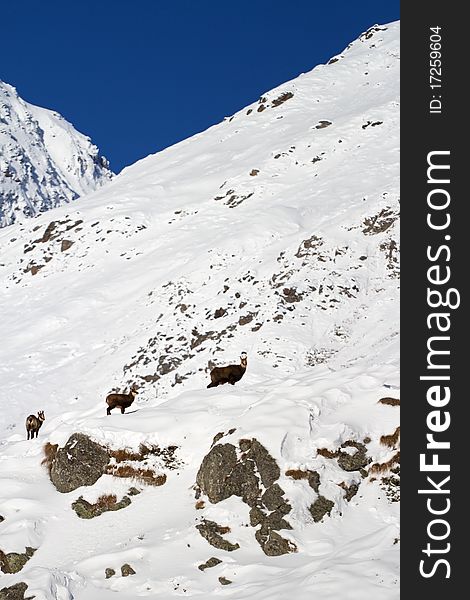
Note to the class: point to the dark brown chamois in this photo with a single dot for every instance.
(230, 374)
(33, 424)
(121, 401)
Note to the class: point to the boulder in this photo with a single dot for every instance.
(356, 461)
(211, 562)
(273, 497)
(127, 570)
(274, 544)
(320, 508)
(15, 592)
(80, 462)
(14, 561)
(212, 532)
(214, 472)
(267, 467)
(243, 482)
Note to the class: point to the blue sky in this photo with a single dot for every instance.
(140, 75)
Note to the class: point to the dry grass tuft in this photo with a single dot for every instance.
(297, 474)
(50, 450)
(391, 440)
(167, 455)
(327, 453)
(383, 468)
(147, 476)
(390, 401)
(200, 504)
(222, 529)
(106, 502)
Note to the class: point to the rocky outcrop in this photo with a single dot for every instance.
(212, 532)
(226, 472)
(127, 570)
(355, 461)
(14, 561)
(215, 471)
(86, 510)
(321, 507)
(15, 592)
(80, 462)
(211, 562)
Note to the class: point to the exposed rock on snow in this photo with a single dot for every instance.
(14, 561)
(127, 570)
(80, 462)
(211, 562)
(321, 507)
(223, 474)
(87, 510)
(212, 532)
(15, 592)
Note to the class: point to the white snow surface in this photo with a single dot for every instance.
(290, 227)
(44, 161)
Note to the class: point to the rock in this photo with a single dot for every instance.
(274, 544)
(257, 516)
(356, 461)
(133, 491)
(215, 470)
(322, 124)
(109, 573)
(351, 491)
(65, 245)
(13, 561)
(224, 581)
(85, 510)
(267, 466)
(212, 532)
(15, 592)
(314, 480)
(127, 570)
(276, 521)
(80, 462)
(243, 482)
(320, 508)
(273, 497)
(2, 518)
(212, 562)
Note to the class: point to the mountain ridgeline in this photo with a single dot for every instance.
(44, 161)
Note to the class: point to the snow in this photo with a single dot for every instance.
(44, 160)
(303, 258)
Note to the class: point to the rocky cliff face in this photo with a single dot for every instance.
(44, 161)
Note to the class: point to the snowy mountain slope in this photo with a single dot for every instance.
(274, 232)
(44, 161)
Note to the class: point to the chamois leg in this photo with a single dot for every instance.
(28, 435)
(212, 384)
(108, 410)
(123, 408)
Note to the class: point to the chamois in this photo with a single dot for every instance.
(230, 374)
(33, 424)
(122, 401)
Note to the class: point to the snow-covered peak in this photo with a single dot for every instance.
(44, 161)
